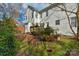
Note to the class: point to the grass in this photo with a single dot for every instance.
(58, 48)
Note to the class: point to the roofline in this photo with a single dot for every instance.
(45, 9)
(32, 8)
(50, 7)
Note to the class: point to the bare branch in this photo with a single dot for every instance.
(62, 9)
(69, 22)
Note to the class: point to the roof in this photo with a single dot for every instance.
(47, 7)
(39, 6)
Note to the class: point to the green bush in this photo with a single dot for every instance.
(48, 31)
(42, 32)
(7, 37)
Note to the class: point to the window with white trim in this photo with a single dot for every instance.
(73, 22)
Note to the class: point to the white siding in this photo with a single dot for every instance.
(53, 15)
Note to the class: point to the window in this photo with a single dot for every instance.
(47, 24)
(46, 13)
(73, 22)
(41, 15)
(57, 22)
(36, 15)
(32, 13)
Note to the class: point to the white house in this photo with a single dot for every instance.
(56, 17)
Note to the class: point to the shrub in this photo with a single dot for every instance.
(43, 34)
(7, 37)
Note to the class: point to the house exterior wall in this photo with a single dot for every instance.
(27, 27)
(31, 20)
(53, 15)
(29, 15)
(36, 19)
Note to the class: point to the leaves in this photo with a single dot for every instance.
(7, 38)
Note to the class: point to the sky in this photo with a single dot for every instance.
(22, 9)
(38, 6)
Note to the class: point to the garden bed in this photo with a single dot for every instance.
(56, 48)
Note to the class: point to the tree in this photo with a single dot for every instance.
(7, 37)
(69, 20)
(77, 14)
(64, 8)
(77, 18)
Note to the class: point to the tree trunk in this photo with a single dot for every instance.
(77, 14)
(69, 22)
